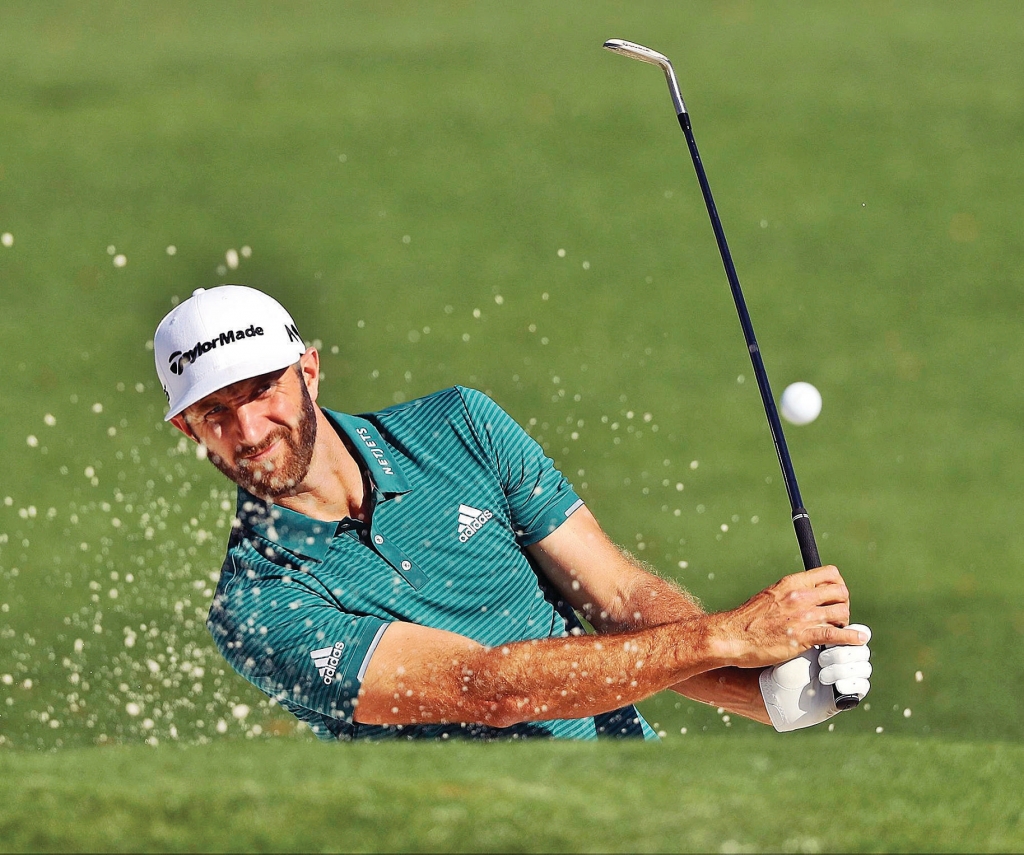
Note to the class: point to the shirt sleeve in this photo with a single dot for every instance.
(540, 498)
(292, 642)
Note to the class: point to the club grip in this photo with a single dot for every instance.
(809, 554)
(805, 537)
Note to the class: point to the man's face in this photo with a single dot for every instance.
(260, 432)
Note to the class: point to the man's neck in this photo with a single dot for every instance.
(335, 486)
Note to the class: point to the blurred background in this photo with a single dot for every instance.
(476, 193)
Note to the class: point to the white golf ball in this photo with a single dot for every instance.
(801, 403)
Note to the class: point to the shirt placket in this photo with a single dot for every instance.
(391, 552)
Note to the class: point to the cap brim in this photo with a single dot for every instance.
(225, 376)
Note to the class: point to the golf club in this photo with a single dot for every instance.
(801, 520)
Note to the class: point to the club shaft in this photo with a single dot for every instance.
(801, 520)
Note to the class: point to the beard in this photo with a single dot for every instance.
(269, 479)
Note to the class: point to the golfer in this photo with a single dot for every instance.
(422, 571)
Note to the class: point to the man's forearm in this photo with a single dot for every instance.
(644, 600)
(733, 689)
(551, 678)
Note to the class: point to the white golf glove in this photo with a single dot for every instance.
(798, 693)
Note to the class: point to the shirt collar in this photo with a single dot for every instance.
(304, 535)
(376, 455)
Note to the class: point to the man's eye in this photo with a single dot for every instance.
(213, 413)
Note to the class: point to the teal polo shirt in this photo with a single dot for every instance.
(458, 489)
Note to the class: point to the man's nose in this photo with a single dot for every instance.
(252, 423)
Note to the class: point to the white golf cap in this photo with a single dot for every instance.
(218, 337)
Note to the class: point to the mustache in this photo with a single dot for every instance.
(245, 451)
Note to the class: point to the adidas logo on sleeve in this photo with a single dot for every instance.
(326, 660)
(471, 521)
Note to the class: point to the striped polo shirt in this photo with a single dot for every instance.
(458, 489)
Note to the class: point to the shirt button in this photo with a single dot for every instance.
(378, 539)
(407, 565)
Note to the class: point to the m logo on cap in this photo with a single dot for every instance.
(179, 359)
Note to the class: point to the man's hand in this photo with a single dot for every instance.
(793, 615)
(799, 694)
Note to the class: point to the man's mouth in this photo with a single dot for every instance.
(259, 455)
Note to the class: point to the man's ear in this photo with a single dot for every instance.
(309, 371)
(179, 422)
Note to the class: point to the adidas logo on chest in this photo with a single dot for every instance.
(471, 521)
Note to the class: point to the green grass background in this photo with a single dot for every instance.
(755, 795)
(407, 176)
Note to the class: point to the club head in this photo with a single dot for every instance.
(652, 57)
(635, 51)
